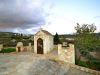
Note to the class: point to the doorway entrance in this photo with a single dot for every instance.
(39, 46)
(19, 49)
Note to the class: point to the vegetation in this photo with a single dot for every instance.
(56, 39)
(8, 50)
(9, 39)
(67, 36)
(93, 65)
(86, 41)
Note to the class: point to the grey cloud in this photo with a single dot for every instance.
(22, 14)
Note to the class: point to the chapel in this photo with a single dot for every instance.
(43, 42)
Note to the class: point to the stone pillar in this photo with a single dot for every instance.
(1, 47)
(29, 44)
(59, 49)
(35, 44)
(61, 54)
(29, 47)
(73, 53)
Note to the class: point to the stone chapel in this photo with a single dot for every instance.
(43, 42)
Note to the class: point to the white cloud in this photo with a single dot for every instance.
(66, 24)
(60, 24)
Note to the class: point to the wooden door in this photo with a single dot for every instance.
(19, 49)
(39, 46)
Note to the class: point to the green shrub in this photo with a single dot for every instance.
(8, 50)
(93, 64)
(82, 63)
(83, 52)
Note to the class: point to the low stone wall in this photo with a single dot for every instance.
(1, 47)
(28, 48)
(55, 47)
(85, 69)
(21, 48)
(66, 54)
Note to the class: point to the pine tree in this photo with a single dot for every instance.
(56, 39)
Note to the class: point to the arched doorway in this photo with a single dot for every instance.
(19, 49)
(39, 46)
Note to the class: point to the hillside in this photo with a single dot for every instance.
(11, 39)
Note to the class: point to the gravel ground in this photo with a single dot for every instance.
(32, 64)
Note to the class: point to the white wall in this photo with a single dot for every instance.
(47, 42)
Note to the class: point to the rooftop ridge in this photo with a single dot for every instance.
(44, 31)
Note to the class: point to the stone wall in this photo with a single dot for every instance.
(66, 54)
(20, 46)
(23, 48)
(85, 69)
(1, 47)
(29, 48)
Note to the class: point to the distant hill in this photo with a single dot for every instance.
(5, 34)
(6, 38)
(73, 35)
(67, 36)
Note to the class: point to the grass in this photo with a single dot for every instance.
(8, 50)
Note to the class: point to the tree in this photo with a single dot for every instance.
(56, 39)
(85, 28)
(86, 41)
(85, 36)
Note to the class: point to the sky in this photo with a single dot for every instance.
(61, 16)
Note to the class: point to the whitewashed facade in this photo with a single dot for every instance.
(46, 42)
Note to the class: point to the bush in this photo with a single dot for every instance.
(8, 50)
(82, 63)
(93, 64)
(83, 52)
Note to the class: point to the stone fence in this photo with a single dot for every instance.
(85, 69)
(21, 48)
(66, 54)
(1, 47)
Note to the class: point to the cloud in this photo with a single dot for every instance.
(23, 14)
(97, 17)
